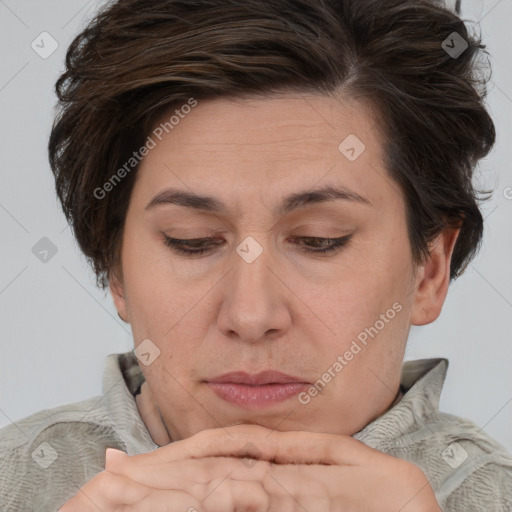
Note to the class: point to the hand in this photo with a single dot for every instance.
(296, 471)
(190, 482)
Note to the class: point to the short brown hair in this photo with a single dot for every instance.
(136, 59)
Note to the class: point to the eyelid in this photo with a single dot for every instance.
(182, 247)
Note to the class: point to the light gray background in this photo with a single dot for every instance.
(57, 327)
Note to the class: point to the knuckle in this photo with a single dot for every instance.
(249, 496)
(412, 473)
(197, 470)
(219, 494)
(260, 500)
(103, 481)
(110, 485)
(204, 435)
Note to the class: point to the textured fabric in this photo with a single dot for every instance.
(46, 457)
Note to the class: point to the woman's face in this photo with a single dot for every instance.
(256, 300)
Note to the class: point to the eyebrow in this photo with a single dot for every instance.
(292, 202)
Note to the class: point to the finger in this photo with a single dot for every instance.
(304, 487)
(228, 495)
(293, 447)
(204, 485)
(176, 500)
(105, 492)
(395, 486)
(297, 491)
(185, 474)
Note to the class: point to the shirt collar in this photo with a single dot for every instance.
(422, 381)
(119, 377)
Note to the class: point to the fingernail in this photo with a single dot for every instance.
(113, 453)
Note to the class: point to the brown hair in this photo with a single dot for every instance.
(137, 59)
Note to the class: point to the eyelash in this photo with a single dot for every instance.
(179, 246)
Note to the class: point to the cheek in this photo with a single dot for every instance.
(149, 288)
(162, 307)
(379, 279)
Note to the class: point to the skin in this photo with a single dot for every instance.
(287, 310)
(293, 471)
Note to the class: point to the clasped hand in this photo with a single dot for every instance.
(246, 468)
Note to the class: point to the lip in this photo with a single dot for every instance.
(257, 379)
(258, 391)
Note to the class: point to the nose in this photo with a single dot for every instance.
(256, 301)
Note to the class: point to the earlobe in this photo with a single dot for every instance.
(118, 296)
(433, 278)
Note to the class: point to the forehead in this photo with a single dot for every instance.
(283, 142)
(227, 123)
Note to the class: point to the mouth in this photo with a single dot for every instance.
(257, 391)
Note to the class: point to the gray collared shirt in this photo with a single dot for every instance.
(46, 457)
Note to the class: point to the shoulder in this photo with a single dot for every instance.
(466, 467)
(488, 488)
(47, 456)
(480, 474)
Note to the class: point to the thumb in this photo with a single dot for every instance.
(115, 460)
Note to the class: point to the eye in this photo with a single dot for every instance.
(198, 246)
(188, 247)
(328, 245)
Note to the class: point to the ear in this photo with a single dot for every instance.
(117, 291)
(433, 278)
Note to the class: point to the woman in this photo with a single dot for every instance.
(274, 192)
